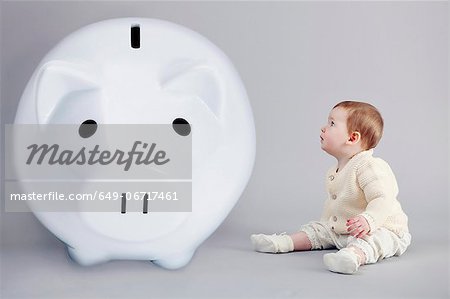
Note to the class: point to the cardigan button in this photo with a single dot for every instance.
(334, 196)
(331, 177)
(334, 218)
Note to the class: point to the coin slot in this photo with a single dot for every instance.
(135, 37)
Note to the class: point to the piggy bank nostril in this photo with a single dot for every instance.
(181, 126)
(87, 128)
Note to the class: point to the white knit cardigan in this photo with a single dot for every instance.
(365, 186)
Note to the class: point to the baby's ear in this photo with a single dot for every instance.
(55, 81)
(354, 137)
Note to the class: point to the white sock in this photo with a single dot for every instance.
(344, 261)
(272, 243)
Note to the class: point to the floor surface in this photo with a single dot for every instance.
(225, 267)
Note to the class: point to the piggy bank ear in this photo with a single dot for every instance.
(58, 81)
(195, 78)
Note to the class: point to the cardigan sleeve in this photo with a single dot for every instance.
(380, 189)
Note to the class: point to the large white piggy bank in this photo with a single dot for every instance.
(147, 71)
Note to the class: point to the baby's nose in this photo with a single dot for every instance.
(322, 129)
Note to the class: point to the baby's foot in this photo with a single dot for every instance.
(344, 261)
(272, 243)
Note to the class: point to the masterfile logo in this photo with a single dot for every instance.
(58, 164)
(53, 155)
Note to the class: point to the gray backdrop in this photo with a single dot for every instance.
(297, 59)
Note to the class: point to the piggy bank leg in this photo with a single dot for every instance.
(86, 257)
(175, 261)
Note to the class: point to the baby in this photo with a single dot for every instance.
(362, 216)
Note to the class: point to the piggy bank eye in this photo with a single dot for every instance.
(181, 126)
(87, 128)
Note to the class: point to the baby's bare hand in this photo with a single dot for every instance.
(358, 226)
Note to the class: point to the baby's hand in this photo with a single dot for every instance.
(358, 226)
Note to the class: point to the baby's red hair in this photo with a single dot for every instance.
(365, 119)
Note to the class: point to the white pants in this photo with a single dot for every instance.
(376, 246)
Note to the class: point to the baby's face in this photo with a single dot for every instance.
(334, 134)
